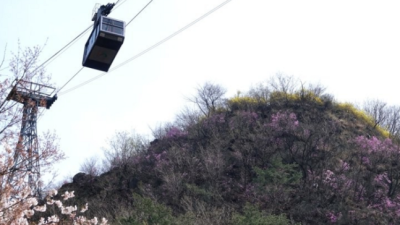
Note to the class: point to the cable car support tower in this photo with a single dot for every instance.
(27, 156)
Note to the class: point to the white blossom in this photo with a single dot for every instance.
(84, 208)
(94, 220)
(68, 210)
(40, 208)
(104, 221)
(58, 203)
(53, 193)
(32, 201)
(29, 213)
(68, 195)
(53, 219)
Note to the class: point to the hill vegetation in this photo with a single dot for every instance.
(282, 153)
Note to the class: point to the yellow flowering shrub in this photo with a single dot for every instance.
(360, 114)
(244, 102)
(309, 96)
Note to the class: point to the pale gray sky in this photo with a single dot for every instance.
(352, 47)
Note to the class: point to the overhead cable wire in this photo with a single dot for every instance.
(59, 51)
(125, 26)
(42, 112)
(66, 47)
(55, 55)
(117, 4)
(139, 12)
(70, 79)
(151, 47)
(76, 39)
(52, 57)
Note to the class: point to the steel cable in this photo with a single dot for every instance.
(151, 47)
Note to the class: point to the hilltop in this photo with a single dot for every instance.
(279, 154)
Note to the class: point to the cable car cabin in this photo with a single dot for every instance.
(104, 43)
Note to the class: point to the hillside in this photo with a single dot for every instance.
(274, 155)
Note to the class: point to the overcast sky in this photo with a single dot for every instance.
(351, 47)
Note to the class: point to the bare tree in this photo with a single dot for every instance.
(383, 115)
(392, 120)
(4, 56)
(23, 65)
(122, 147)
(261, 92)
(317, 89)
(160, 130)
(91, 166)
(283, 83)
(209, 97)
(187, 118)
(377, 110)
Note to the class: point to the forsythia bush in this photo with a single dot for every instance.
(362, 115)
(243, 102)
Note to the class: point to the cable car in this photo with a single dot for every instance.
(105, 40)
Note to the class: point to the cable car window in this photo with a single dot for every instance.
(112, 22)
(105, 20)
(118, 24)
(113, 29)
(118, 30)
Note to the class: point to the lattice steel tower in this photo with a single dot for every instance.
(27, 155)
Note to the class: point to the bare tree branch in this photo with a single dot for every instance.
(208, 98)
(377, 110)
(4, 56)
